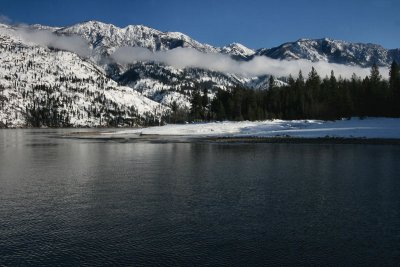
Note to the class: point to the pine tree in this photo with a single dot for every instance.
(313, 84)
(394, 84)
(237, 104)
(291, 81)
(375, 76)
(174, 110)
(271, 82)
(204, 99)
(300, 95)
(376, 96)
(196, 105)
(204, 104)
(313, 77)
(332, 80)
(394, 76)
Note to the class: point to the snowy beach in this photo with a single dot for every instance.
(376, 128)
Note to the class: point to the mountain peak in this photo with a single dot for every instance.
(237, 50)
(138, 27)
(92, 23)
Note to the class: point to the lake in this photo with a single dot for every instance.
(70, 202)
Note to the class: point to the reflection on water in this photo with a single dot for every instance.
(82, 202)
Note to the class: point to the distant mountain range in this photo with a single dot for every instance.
(106, 37)
(41, 85)
(333, 51)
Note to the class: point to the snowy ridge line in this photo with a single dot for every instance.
(107, 37)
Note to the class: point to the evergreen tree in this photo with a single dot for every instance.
(271, 82)
(204, 104)
(221, 114)
(291, 81)
(375, 76)
(313, 78)
(394, 84)
(196, 105)
(204, 99)
(237, 104)
(217, 105)
(377, 94)
(312, 90)
(300, 79)
(332, 81)
(174, 110)
(394, 76)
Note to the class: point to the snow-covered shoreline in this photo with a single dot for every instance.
(353, 128)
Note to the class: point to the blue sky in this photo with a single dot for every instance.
(254, 23)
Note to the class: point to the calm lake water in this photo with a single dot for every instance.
(66, 202)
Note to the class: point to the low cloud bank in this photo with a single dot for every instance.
(259, 65)
(47, 38)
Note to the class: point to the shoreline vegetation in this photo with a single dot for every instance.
(314, 97)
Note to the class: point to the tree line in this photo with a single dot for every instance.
(312, 97)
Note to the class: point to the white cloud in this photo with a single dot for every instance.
(46, 38)
(259, 65)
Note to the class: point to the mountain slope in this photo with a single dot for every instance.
(43, 87)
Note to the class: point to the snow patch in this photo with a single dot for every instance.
(354, 128)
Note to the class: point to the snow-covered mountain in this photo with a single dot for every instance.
(237, 50)
(44, 87)
(156, 81)
(333, 51)
(108, 37)
(60, 88)
(166, 84)
(105, 38)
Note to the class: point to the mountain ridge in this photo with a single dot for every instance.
(105, 38)
(333, 51)
(141, 92)
(174, 39)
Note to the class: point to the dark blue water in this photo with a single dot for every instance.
(67, 202)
